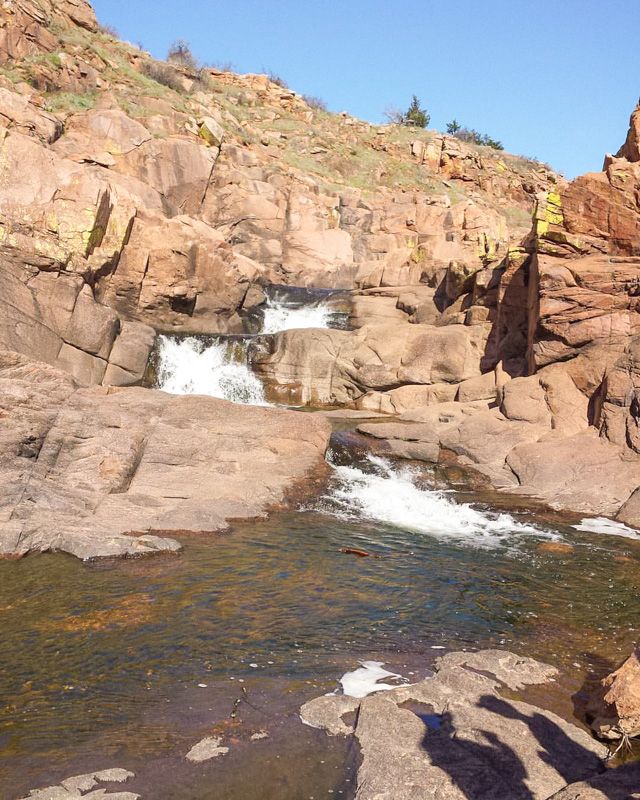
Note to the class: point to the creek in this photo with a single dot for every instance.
(130, 663)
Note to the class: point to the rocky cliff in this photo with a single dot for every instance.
(135, 193)
(139, 197)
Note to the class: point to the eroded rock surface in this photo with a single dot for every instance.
(455, 736)
(138, 196)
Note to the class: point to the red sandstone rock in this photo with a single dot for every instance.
(615, 706)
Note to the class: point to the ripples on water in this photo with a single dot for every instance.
(90, 650)
(130, 661)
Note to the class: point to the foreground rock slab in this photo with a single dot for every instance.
(622, 783)
(455, 737)
(83, 469)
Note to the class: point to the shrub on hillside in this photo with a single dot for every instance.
(314, 102)
(275, 78)
(473, 137)
(163, 74)
(221, 66)
(109, 30)
(416, 116)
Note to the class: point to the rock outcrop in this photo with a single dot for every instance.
(614, 708)
(523, 367)
(456, 736)
(164, 195)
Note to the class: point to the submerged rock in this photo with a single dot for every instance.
(206, 749)
(455, 736)
(78, 785)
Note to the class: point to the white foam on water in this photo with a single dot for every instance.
(189, 366)
(392, 495)
(607, 526)
(364, 680)
(280, 317)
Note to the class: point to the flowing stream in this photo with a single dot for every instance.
(130, 663)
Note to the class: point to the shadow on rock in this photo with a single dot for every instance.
(491, 771)
(484, 767)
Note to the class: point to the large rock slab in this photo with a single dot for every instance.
(455, 737)
(622, 783)
(180, 275)
(84, 469)
(327, 367)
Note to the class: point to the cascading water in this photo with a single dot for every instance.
(387, 494)
(193, 366)
(290, 307)
(279, 317)
(218, 365)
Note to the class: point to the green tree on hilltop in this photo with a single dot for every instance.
(416, 116)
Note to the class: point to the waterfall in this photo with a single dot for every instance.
(218, 366)
(215, 368)
(281, 317)
(289, 307)
(393, 495)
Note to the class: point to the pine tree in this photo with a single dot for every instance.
(416, 116)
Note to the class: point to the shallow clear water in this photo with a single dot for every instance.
(101, 663)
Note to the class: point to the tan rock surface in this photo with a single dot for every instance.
(83, 469)
(329, 367)
(614, 708)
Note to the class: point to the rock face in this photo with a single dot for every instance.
(148, 201)
(538, 390)
(332, 367)
(100, 472)
(454, 735)
(138, 196)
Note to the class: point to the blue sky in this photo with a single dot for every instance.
(552, 79)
